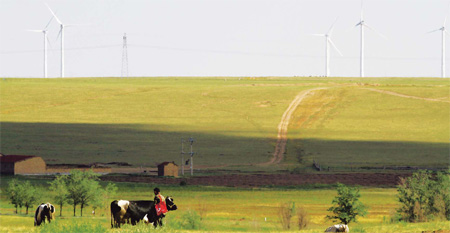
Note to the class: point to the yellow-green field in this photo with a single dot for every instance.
(234, 120)
(223, 210)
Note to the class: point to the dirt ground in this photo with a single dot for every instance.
(264, 180)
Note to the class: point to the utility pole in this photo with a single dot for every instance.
(182, 157)
(191, 140)
(124, 57)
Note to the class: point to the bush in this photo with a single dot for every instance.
(286, 212)
(303, 218)
(191, 220)
(423, 197)
(347, 206)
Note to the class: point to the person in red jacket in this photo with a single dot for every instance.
(160, 202)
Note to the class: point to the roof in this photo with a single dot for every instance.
(14, 158)
(166, 163)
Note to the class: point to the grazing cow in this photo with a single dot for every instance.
(338, 228)
(124, 211)
(44, 211)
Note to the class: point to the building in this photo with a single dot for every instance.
(168, 169)
(22, 164)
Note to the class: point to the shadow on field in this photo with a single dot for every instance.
(147, 145)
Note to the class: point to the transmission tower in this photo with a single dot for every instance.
(124, 57)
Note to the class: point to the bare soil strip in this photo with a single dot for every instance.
(261, 180)
(280, 147)
(406, 96)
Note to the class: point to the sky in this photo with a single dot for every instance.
(222, 38)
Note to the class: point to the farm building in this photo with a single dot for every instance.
(22, 164)
(168, 169)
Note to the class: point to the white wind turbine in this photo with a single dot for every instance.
(45, 45)
(61, 33)
(443, 31)
(328, 41)
(363, 24)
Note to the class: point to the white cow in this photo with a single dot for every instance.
(338, 228)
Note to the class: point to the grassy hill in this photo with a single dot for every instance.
(351, 123)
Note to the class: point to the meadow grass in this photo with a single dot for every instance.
(234, 120)
(223, 209)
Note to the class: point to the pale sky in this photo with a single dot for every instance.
(222, 38)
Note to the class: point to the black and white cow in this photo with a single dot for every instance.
(123, 211)
(44, 211)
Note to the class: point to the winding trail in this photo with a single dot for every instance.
(280, 147)
(406, 96)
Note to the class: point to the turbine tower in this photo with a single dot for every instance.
(44, 31)
(443, 31)
(328, 41)
(363, 24)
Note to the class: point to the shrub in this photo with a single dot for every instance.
(191, 220)
(347, 206)
(303, 218)
(286, 212)
(423, 197)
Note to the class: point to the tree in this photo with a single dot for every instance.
(29, 195)
(15, 193)
(59, 188)
(423, 196)
(103, 197)
(82, 188)
(347, 206)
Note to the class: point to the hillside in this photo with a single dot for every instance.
(349, 123)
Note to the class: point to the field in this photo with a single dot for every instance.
(222, 209)
(351, 123)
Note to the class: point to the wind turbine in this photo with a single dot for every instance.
(328, 41)
(45, 45)
(363, 24)
(443, 31)
(61, 33)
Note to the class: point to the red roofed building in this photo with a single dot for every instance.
(22, 164)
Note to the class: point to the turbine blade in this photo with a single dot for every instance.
(379, 33)
(446, 16)
(334, 46)
(59, 21)
(317, 34)
(332, 25)
(434, 31)
(59, 33)
(362, 14)
(71, 25)
(49, 22)
(358, 24)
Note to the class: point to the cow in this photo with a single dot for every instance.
(123, 211)
(44, 211)
(338, 228)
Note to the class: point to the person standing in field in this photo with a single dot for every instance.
(160, 202)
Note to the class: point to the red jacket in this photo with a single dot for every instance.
(161, 207)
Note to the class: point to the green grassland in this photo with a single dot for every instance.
(234, 120)
(223, 210)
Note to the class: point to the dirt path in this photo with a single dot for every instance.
(406, 96)
(280, 147)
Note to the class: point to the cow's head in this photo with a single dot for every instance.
(170, 204)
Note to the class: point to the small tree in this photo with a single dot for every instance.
(286, 212)
(59, 188)
(29, 195)
(82, 189)
(347, 206)
(14, 191)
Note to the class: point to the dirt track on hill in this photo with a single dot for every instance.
(280, 147)
(269, 180)
(406, 96)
